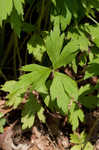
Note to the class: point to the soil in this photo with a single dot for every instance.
(50, 136)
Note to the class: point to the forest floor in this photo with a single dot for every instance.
(54, 135)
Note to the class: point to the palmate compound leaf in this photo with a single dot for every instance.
(75, 115)
(54, 43)
(63, 90)
(35, 80)
(31, 108)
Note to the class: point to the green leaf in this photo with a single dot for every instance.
(38, 76)
(78, 139)
(14, 96)
(90, 102)
(68, 54)
(74, 65)
(54, 43)
(90, 4)
(16, 23)
(2, 122)
(63, 90)
(80, 36)
(76, 147)
(62, 11)
(36, 46)
(8, 86)
(27, 27)
(35, 80)
(40, 114)
(29, 111)
(15, 89)
(66, 10)
(92, 69)
(94, 32)
(18, 4)
(1, 115)
(75, 8)
(5, 9)
(85, 90)
(76, 114)
(86, 98)
(65, 19)
(89, 146)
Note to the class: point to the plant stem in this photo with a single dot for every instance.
(41, 15)
(93, 19)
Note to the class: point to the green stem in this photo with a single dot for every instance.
(28, 11)
(41, 15)
(18, 51)
(8, 49)
(93, 19)
(14, 56)
(3, 75)
(47, 14)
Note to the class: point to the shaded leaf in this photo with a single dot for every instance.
(27, 27)
(94, 32)
(76, 114)
(29, 111)
(90, 102)
(36, 46)
(77, 34)
(15, 22)
(92, 68)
